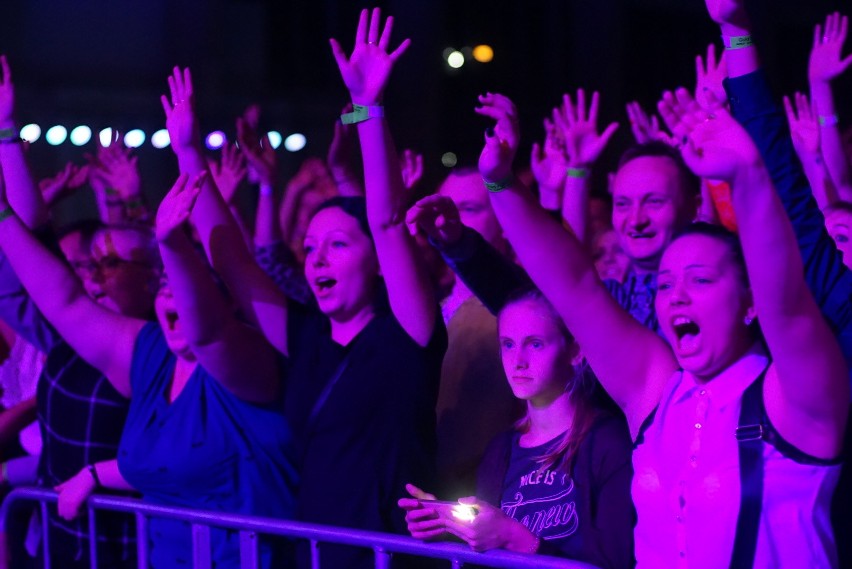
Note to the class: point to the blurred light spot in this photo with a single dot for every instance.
(134, 139)
(455, 59)
(30, 132)
(80, 135)
(56, 135)
(274, 138)
(160, 139)
(295, 142)
(449, 159)
(105, 136)
(215, 140)
(483, 53)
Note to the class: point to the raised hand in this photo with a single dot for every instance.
(7, 95)
(826, 62)
(180, 111)
(228, 172)
(411, 165)
(438, 217)
(579, 128)
(646, 128)
(548, 161)
(73, 493)
(177, 205)
(709, 78)
(259, 154)
(69, 178)
(803, 125)
(365, 73)
(117, 168)
(501, 141)
(717, 146)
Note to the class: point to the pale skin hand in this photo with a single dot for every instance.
(176, 207)
(180, 112)
(579, 128)
(411, 165)
(228, 171)
(365, 73)
(803, 125)
(491, 529)
(825, 62)
(62, 184)
(501, 141)
(710, 77)
(730, 15)
(646, 128)
(548, 163)
(258, 152)
(118, 169)
(423, 522)
(438, 217)
(73, 494)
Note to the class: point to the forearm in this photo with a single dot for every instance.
(15, 418)
(743, 60)
(819, 179)
(348, 183)
(831, 142)
(266, 228)
(23, 193)
(575, 206)
(110, 476)
(382, 177)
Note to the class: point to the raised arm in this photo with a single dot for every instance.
(825, 65)
(232, 352)
(23, 194)
(365, 74)
(804, 129)
(799, 339)
(103, 338)
(220, 236)
(631, 362)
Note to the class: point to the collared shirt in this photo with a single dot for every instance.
(686, 485)
(636, 295)
(81, 417)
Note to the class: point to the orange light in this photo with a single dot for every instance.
(483, 53)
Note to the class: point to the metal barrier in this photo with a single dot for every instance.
(383, 545)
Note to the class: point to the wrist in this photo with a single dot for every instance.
(550, 198)
(738, 26)
(518, 538)
(7, 123)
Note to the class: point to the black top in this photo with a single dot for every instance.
(376, 430)
(587, 514)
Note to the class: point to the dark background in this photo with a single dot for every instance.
(105, 62)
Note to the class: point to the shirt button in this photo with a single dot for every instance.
(693, 458)
(682, 554)
(679, 520)
(697, 425)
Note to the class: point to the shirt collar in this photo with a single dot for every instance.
(729, 385)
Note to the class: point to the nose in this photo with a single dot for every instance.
(521, 359)
(638, 219)
(92, 284)
(320, 255)
(678, 295)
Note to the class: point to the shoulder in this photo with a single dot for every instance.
(150, 351)
(608, 445)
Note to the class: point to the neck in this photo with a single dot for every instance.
(459, 292)
(344, 330)
(550, 420)
(645, 266)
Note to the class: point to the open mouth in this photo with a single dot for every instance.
(324, 284)
(171, 320)
(687, 333)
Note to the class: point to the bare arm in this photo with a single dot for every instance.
(235, 354)
(228, 253)
(631, 362)
(365, 73)
(15, 418)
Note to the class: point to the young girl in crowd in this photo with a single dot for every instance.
(559, 482)
(682, 401)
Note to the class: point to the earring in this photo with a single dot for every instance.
(748, 320)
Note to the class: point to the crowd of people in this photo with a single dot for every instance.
(657, 377)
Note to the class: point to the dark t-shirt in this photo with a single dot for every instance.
(376, 430)
(586, 514)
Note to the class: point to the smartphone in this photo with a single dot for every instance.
(461, 512)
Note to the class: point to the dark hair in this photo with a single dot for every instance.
(689, 181)
(354, 206)
(581, 387)
(838, 206)
(729, 238)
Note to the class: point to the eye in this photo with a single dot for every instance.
(537, 344)
(656, 201)
(620, 204)
(507, 344)
(308, 249)
(339, 244)
(702, 280)
(841, 239)
(663, 286)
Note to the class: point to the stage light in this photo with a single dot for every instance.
(30, 132)
(80, 135)
(105, 136)
(449, 159)
(455, 59)
(135, 138)
(56, 135)
(274, 138)
(160, 139)
(215, 140)
(295, 142)
(483, 53)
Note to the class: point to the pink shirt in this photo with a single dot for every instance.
(686, 484)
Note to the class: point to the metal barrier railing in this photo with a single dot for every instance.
(383, 545)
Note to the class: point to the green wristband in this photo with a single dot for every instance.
(828, 120)
(577, 173)
(8, 133)
(737, 42)
(496, 187)
(6, 213)
(361, 113)
(134, 203)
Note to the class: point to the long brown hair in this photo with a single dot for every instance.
(580, 386)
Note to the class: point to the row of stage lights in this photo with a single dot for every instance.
(456, 58)
(135, 138)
